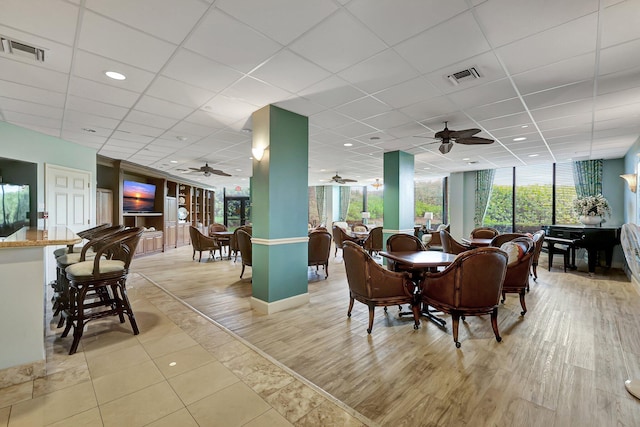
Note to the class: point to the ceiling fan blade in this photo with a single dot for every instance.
(218, 172)
(196, 169)
(349, 180)
(465, 133)
(474, 140)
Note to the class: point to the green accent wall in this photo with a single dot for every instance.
(399, 190)
(280, 207)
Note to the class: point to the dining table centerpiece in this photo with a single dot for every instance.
(592, 210)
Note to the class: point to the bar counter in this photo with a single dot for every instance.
(23, 257)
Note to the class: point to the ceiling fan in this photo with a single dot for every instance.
(340, 180)
(208, 170)
(447, 137)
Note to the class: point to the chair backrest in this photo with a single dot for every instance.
(538, 241)
(88, 233)
(233, 242)
(505, 237)
(338, 235)
(403, 243)
(517, 277)
(374, 239)
(217, 227)
(473, 281)
(244, 245)
(119, 246)
(342, 224)
(360, 228)
(451, 245)
(435, 237)
(319, 247)
(194, 234)
(484, 233)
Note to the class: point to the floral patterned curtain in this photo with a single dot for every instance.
(320, 190)
(587, 175)
(345, 198)
(484, 184)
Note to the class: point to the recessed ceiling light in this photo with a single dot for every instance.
(115, 75)
(533, 155)
(524, 126)
(348, 144)
(520, 138)
(427, 168)
(181, 138)
(173, 161)
(466, 158)
(238, 170)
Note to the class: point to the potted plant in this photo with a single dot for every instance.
(591, 210)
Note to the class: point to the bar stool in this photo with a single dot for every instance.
(105, 277)
(87, 234)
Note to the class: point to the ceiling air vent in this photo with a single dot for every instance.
(12, 47)
(464, 75)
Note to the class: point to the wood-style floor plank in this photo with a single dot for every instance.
(563, 363)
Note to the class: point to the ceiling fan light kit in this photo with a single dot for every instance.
(447, 137)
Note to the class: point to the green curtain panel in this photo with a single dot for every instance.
(345, 198)
(320, 191)
(484, 183)
(587, 175)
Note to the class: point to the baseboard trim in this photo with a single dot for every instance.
(264, 307)
(22, 373)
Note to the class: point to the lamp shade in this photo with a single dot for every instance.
(428, 215)
(366, 215)
(632, 181)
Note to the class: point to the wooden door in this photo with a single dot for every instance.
(104, 206)
(68, 198)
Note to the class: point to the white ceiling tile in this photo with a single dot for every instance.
(205, 118)
(179, 92)
(499, 90)
(407, 93)
(133, 131)
(497, 109)
(59, 25)
(162, 107)
(18, 106)
(170, 20)
(395, 21)
(518, 119)
(440, 46)
(93, 67)
(506, 21)
(256, 92)
(84, 88)
(620, 57)
(212, 39)
(561, 73)
(290, 72)
(614, 99)
(329, 119)
(430, 108)
(111, 39)
(338, 42)
(32, 75)
(363, 108)
(94, 107)
(148, 119)
(193, 129)
(354, 129)
(282, 20)
(30, 119)
(300, 106)
(197, 70)
(560, 95)
(578, 38)
(31, 94)
(92, 139)
(379, 72)
(87, 120)
(620, 23)
(387, 120)
(332, 92)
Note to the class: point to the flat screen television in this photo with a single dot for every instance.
(138, 197)
(14, 208)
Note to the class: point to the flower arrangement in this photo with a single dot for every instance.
(592, 206)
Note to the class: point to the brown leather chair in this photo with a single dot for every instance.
(538, 241)
(319, 250)
(245, 247)
(223, 241)
(504, 237)
(373, 242)
(200, 243)
(402, 243)
(517, 277)
(470, 286)
(233, 241)
(217, 227)
(451, 245)
(98, 285)
(435, 243)
(484, 233)
(339, 237)
(376, 286)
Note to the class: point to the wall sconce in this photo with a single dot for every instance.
(258, 153)
(632, 181)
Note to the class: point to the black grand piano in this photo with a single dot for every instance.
(593, 239)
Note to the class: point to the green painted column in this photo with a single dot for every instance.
(280, 209)
(398, 193)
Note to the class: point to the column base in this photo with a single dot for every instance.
(264, 307)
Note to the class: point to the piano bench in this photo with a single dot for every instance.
(566, 249)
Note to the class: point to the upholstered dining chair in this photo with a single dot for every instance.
(538, 241)
(376, 286)
(505, 237)
(339, 237)
(246, 249)
(470, 286)
(373, 242)
(432, 240)
(85, 235)
(402, 243)
(97, 288)
(483, 233)
(319, 250)
(451, 245)
(200, 243)
(520, 257)
(233, 242)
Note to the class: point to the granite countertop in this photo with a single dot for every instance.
(31, 236)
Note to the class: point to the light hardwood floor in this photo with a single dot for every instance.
(563, 364)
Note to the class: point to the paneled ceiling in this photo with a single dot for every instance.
(370, 75)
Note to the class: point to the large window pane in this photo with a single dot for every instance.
(428, 198)
(499, 213)
(355, 205)
(565, 194)
(374, 206)
(534, 195)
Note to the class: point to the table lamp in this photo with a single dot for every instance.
(428, 216)
(365, 217)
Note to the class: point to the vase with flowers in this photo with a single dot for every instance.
(591, 210)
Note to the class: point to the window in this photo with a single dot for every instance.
(565, 194)
(534, 197)
(499, 213)
(356, 202)
(374, 205)
(429, 197)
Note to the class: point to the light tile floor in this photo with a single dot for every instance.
(182, 370)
